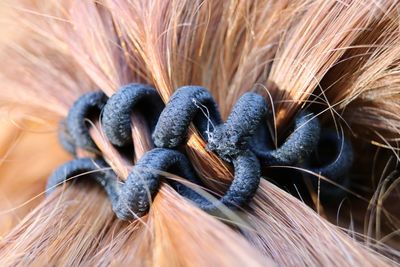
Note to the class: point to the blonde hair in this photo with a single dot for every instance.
(338, 57)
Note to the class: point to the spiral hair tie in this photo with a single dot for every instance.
(242, 140)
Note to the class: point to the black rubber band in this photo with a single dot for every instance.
(184, 107)
(242, 140)
(296, 148)
(96, 169)
(88, 105)
(231, 138)
(244, 185)
(116, 116)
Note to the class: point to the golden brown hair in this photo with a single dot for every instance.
(338, 58)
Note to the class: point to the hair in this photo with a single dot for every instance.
(340, 59)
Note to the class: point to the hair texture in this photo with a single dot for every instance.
(339, 59)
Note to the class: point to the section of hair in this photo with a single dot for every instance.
(25, 165)
(286, 50)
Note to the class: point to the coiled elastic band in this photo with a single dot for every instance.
(116, 119)
(186, 105)
(241, 140)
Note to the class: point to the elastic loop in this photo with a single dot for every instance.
(187, 104)
(84, 108)
(232, 137)
(144, 180)
(242, 140)
(83, 167)
(244, 185)
(116, 117)
(297, 147)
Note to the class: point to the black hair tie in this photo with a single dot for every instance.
(116, 118)
(143, 180)
(132, 198)
(241, 140)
